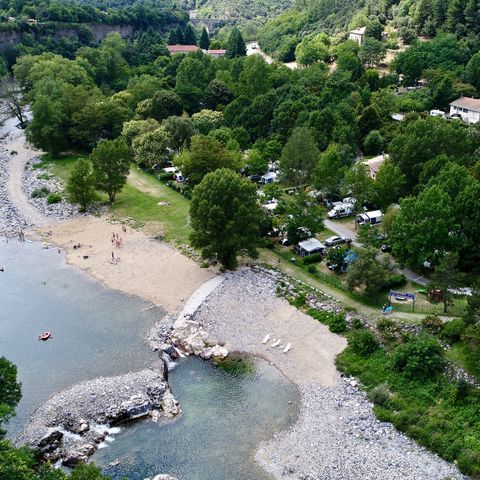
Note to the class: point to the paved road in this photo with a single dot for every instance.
(343, 231)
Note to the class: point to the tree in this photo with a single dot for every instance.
(10, 392)
(134, 128)
(256, 163)
(225, 217)
(236, 45)
(359, 183)
(217, 93)
(206, 155)
(189, 36)
(472, 71)
(423, 226)
(374, 30)
(204, 39)
(369, 120)
(373, 143)
(164, 104)
(181, 131)
(329, 172)
(11, 101)
(299, 156)
(111, 164)
(472, 312)
(254, 79)
(446, 277)
(205, 121)
(312, 49)
(81, 184)
(419, 357)
(366, 273)
(46, 130)
(372, 52)
(151, 148)
(175, 37)
(389, 184)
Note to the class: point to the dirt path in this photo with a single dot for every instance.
(16, 142)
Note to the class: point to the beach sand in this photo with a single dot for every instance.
(147, 268)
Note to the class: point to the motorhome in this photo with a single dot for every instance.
(341, 210)
(369, 218)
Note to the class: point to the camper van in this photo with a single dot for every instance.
(369, 218)
(341, 210)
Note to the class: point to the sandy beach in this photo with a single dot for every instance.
(147, 268)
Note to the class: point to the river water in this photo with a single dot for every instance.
(97, 331)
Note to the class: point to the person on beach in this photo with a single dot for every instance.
(113, 257)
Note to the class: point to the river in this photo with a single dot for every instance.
(97, 331)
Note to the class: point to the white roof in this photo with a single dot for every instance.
(269, 175)
(374, 213)
(359, 31)
(311, 244)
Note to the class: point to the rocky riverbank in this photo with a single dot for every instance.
(337, 435)
(72, 424)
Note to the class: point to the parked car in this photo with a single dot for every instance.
(385, 248)
(334, 240)
(334, 267)
(255, 178)
(284, 242)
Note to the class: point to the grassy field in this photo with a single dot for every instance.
(139, 200)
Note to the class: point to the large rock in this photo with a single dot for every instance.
(170, 406)
(50, 442)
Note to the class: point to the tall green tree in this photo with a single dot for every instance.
(206, 155)
(236, 45)
(445, 278)
(328, 172)
(151, 148)
(299, 157)
(10, 392)
(359, 184)
(111, 164)
(204, 42)
(81, 184)
(472, 71)
(389, 184)
(225, 217)
(189, 36)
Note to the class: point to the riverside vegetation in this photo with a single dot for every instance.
(218, 120)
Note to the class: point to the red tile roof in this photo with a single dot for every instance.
(182, 48)
(216, 52)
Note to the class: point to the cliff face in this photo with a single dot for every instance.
(8, 38)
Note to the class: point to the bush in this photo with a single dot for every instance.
(363, 342)
(395, 280)
(433, 324)
(388, 328)
(379, 395)
(315, 258)
(54, 197)
(421, 356)
(40, 192)
(337, 323)
(452, 331)
(311, 268)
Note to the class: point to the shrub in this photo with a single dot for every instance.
(432, 323)
(379, 395)
(388, 328)
(452, 331)
(421, 356)
(337, 323)
(40, 192)
(357, 324)
(311, 268)
(461, 390)
(54, 197)
(315, 258)
(363, 342)
(395, 280)
(321, 315)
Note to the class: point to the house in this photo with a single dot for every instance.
(467, 107)
(357, 35)
(398, 117)
(216, 53)
(269, 177)
(374, 164)
(172, 49)
(370, 218)
(309, 247)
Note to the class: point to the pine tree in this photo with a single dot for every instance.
(173, 37)
(179, 36)
(455, 15)
(204, 40)
(472, 16)
(236, 45)
(439, 12)
(189, 37)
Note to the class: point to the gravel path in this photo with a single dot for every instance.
(337, 435)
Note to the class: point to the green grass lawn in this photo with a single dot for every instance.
(468, 358)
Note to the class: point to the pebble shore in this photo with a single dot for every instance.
(337, 435)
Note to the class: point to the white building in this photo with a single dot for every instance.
(269, 177)
(357, 35)
(374, 164)
(468, 108)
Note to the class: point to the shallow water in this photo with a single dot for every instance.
(96, 331)
(225, 416)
